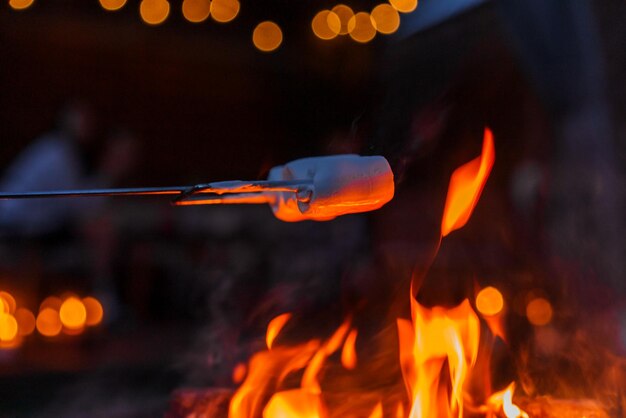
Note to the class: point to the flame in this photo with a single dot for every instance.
(377, 412)
(274, 328)
(503, 401)
(348, 354)
(466, 185)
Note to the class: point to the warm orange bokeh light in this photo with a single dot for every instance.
(20, 4)
(489, 301)
(224, 10)
(94, 310)
(8, 327)
(196, 11)
(274, 328)
(154, 12)
(112, 5)
(48, 322)
(345, 14)
(385, 18)
(539, 311)
(25, 321)
(267, 36)
(8, 302)
(361, 28)
(52, 302)
(326, 25)
(73, 313)
(404, 6)
(348, 353)
(466, 185)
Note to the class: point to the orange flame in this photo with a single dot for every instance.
(274, 328)
(378, 411)
(503, 401)
(466, 185)
(348, 354)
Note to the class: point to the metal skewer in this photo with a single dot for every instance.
(207, 193)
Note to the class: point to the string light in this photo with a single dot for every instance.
(386, 19)
(404, 6)
(363, 30)
(224, 10)
(345, 15)
(20, 4)
(112, 5)
(326, 25)
(267, 36)
(154, 12)
(196, 11)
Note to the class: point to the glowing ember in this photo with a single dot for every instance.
(466, 185)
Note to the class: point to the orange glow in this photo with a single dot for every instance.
(94, 311)
(539, 312)
(326, 25)
(362, 29)
(377, 412)
(52, 302)
(404, 6)
(466, 185)
(48, 322)
(385, 18)
(8, 301)
(8, 327)
(267, 36)
(196, 11)
(224, 10)
(112, 5)
(345, 14)
(20, 4)
(348, 354)
(400, 411)
(295, 403)
(274, 328)
(154, 12)
(25, 321)
(489, 301)
(239, 372)
(73, 313)
(503, 402)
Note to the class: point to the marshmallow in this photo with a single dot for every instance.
(340, 185)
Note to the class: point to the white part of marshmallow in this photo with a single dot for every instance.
(342, 184)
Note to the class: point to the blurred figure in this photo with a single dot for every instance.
(66, 158)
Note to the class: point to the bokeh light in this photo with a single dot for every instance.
(196, 11)
(73, 313)
(25, 321)
(345, 15)
(20, 4)
(386, 19)
(267, 36)
(224, 10)
(154, 12)
(112, 5)
(489, 301)
(404, 6)
(539, 311)
(8, 302)
(48, 322)
(8, 327)
(94, 310)
(52, 302)
(362, 29)
(326, 25)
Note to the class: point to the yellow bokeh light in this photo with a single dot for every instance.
(73, 313)
(196, 11)
(404, 6)
(224, 10)
(345, 15)
(112, 5)
(8, 327)
(25, 321)
(20, 4)
(326, 25)
(154, 12)
(539, 311)
(489, 301)
(48, 322)
(385, 18)
(94, 311)
(267, 36)
(8, 301)
(361, 26)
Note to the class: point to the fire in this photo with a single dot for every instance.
(437, 351)
(466, 185)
